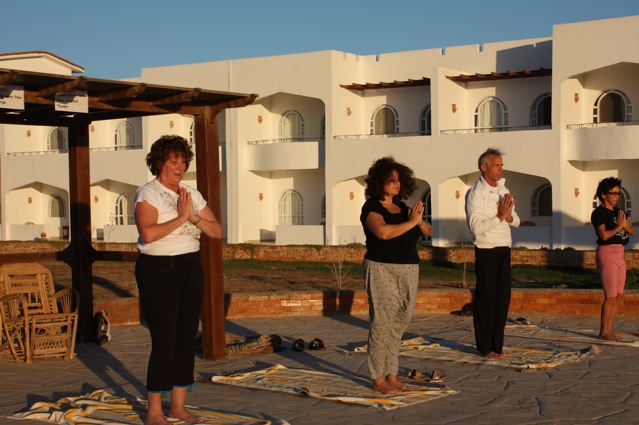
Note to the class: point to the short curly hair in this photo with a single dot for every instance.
(163, 147)
(382, 170)
(605, 185)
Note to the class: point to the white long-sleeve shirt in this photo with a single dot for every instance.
(481, 215)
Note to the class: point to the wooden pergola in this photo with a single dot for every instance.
(110, 99)
(424, 81)
(507, 75)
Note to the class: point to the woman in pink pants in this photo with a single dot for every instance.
(613, 232)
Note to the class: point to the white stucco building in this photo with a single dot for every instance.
(293, 163)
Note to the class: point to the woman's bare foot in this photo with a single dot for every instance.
(383, 387)
(156, 420)
(184, 416)
(611, 337)
(502, 355)
(491, 355)
(394, 381)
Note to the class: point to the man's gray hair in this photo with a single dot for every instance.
(483, 158)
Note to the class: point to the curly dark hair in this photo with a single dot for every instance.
(382, 170)
(605, 185)
(163, 147)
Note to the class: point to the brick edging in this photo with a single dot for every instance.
(574, 302)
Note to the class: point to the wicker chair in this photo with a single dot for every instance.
(52, 317)
(15, 329)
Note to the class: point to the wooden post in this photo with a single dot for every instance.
(208, 183)
(80, 254)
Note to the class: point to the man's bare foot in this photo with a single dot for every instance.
(184, 416)
(611, 337)
(491, 355)
(394, 381)
(502, 355)
(156, 420)
(383, 387)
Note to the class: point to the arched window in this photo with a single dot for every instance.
(491, 113)
(56, 140)
(385, 120)
(424, 122)
(541, 112)
(612, 106)
(191, 138)
(428, 212)
(56, 207)
(291, 208)
(123, 210)
(291, 126)
(624, 203)
(542, 201)
(124, 135)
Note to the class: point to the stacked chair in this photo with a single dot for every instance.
(36, 321)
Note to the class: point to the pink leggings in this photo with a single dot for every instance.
(611, 267)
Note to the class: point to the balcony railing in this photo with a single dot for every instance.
(285, 140)
(65, 150)
(601, 124)
(494, 129)
(377, 136)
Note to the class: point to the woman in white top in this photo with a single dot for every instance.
(170, 217)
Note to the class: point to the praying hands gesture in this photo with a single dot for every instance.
(505, 208)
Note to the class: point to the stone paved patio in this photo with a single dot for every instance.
(600, 390)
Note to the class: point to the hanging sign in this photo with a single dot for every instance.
(73, 101)
(12, 97)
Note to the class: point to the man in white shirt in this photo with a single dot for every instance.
(490, 212)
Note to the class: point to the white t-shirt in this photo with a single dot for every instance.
(481, 214)
(184, 239)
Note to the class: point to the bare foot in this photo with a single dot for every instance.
(394, 382)
(381, 386)
(611, 337)
(491, 355)
(502, 355)
(156, 420)
(184, 416)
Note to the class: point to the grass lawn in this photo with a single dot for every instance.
(452, 273)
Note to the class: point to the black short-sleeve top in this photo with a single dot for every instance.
(602, 215)
(399, 250)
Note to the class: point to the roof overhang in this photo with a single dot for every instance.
(508, 75)
(424, 81)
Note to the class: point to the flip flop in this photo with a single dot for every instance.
(298, 345)
(316, 344)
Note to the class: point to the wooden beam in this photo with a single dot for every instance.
(8, 77)
(76, 83)
(130, 92)
(179, 98)
(208, 183)
(80, 254)
(235, 103)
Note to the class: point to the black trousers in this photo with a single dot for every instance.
(492, 298)
(171, 297)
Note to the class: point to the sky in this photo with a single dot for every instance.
(117, 38)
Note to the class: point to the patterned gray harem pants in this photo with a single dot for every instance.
(392, 289)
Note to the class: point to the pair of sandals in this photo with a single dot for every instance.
(434, 376)
(315, 344)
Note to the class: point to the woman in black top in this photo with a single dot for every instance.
(391, 265)
(613, 231)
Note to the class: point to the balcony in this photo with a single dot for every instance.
(285, 154)
(499, 129)
(376, 136)
(602, 141)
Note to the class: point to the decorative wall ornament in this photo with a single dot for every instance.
(171, 124)
(91, 128)
(576, 192)
(28, 133)
(29, 200)
(576, 98)
(348, 111)
(259, 119)
(457, 194)
(260, 196)
(351, 195)
(453, 107)
(96, 199)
